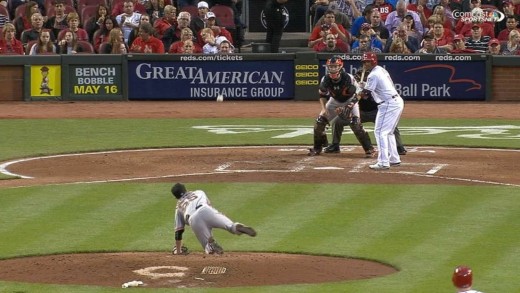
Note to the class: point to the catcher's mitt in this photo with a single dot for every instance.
(184, 251)
(345, 112)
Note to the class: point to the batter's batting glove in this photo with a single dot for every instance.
(184, 251)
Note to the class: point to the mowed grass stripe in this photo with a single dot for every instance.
(59, 207)
(452, 244)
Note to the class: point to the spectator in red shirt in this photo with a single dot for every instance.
(73, 20)
(511, 24)
(146, 42)
(162, 24)
(383, 8)
(331, 45)
(186, 35)
(443, 40)
(320, 31)
(421, 9)
(9, 44)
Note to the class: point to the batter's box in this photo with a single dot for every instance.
(263, 166)
(405, 167)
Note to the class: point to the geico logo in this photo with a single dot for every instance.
(306, 74)
(306, 82)
(306, 67)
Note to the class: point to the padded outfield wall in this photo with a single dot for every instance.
(287, 76)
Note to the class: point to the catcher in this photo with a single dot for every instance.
(194, 209)
(338, 98)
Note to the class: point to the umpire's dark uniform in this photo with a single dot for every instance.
(274, 19)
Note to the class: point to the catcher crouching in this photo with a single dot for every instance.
(339, 107)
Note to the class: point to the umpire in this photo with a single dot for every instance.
(368, 113)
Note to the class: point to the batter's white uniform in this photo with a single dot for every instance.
(194, 209)
(390, 107)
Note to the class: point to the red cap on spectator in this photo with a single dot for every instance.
(476, 25)
(458, 37)
(494, 42)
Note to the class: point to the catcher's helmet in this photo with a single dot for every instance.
(178, 190)
(370, 57)
(462, 277)
(334, 66)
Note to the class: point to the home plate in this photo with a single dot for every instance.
(328, 168)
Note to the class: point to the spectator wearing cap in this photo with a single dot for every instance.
(422, 10)
(511, 24)
(366, 30)
(146, 42)
(330, 26)
(224, 46)
(59, 21)
(331, 45)
(411, 43)
(378, 27)
(429, 46)
(410, 23)
(512, 46)
(199, 22)
(395, 18)
(487, 28)
(364, 18)
(383, 7)
(494, 47)
(477, 41)
(364, 46)
(211, 22)
(459, 45)
(443, 40)
(169, 19)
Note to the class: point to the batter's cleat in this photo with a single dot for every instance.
(397, 164)
(371, 153)
(378, 166)
(242, 229)
(332, 149)
(314, 152)
(212, 247)
(401, 151)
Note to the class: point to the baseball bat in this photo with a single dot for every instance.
(362, 75)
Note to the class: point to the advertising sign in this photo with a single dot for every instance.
(430, 77)
(45, 81)
(206, 80)
(95, 81)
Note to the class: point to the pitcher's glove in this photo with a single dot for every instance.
(184, 251)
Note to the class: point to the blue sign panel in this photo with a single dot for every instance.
(206, 80)
(431, 77)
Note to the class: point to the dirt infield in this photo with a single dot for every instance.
(422, 165)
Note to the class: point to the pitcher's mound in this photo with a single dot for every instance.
(194, 270)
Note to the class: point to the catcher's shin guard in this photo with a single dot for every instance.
(320, 135)
(361, 134)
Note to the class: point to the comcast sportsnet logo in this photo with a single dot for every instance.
(479, 15)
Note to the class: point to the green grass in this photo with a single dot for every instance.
(424, 230)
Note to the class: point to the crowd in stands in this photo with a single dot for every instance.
(416, 26)
(120, 26)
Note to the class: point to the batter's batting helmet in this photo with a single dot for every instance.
(334, 66)
(370, 56)
(462, 277)
(178, 190)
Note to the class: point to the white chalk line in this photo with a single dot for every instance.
(223, 168)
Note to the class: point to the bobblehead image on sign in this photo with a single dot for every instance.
(45, 81)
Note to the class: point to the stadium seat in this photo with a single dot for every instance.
(83, 3)
(30, 44)
(87, 47)
(86, 13)
(225, 16)
(68, 9)
(192, 9)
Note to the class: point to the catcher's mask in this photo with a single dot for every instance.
(334, 66)
(462, 277)
(178, 190)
